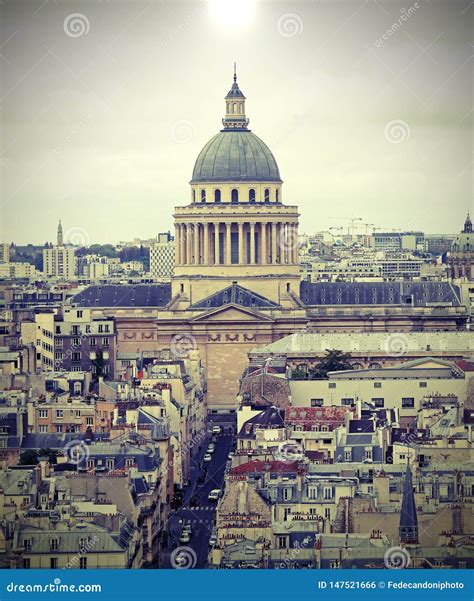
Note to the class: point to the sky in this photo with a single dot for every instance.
(105, 105)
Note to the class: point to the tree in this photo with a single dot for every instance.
(333, 361)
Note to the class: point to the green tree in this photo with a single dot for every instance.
(334, 360)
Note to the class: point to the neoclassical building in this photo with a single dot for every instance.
(237, 284)
(461, 257)
(236, 227)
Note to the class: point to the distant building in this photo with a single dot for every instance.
(162, 257)
(17, 270)
(461, 257)
(397, 240)
(4, 252)
(59, 262)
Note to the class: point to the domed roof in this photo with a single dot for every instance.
(236, 155)
(464, 242)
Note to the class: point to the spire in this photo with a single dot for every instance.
(235, 107)
(60, 234)
(467, 225)
(408, 530)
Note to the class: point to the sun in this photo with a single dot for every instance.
(235, 13)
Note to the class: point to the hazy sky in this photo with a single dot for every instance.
(367, 106)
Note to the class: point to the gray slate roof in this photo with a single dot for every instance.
(235, 156)
(379, 293)
(235, 294)
(140, 295)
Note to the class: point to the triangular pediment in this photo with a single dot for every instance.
(235, 295)
(231, 313)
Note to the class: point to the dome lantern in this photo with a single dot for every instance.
(235, 107)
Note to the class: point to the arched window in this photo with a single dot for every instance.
(234, 196)
(194, 195)
(251, 195)
(217, 195)
(228, 107)
(241, 108)
(77, 388)
(235, 108)
(203, 195)
(267, 195)
(277, 195)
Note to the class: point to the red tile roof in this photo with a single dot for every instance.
(309, 416)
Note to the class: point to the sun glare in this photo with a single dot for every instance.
(235, 13)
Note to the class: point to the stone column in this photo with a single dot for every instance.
(264, 254)
(274, 242)
(241, 244)
(286, 243)
(206, 244)
(227, 244)
(294, 232)
(252, 243)
(216, 244)
(189, 241)
(196, 243)
(177, 244)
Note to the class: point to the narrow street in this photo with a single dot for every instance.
(197, 510)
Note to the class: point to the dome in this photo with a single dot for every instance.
(236, 155)
(464, 242)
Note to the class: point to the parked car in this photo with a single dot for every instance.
(210, 446)
(213, 539)
(214, 494)
(216, 430)
(207, 457)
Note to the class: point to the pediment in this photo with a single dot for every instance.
(231, 312)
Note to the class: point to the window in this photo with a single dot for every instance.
(368, 453)
(332, 385)
(267, 195)
(203, 195)
(347, 454)
(251, 195)
(79, 314)
(107, 327)
(109, 462)
(77, 391)
(327, 493)
(26, 563)
(277, 195)
(83, 563)
(76, 356)
(76, 342)
(378, 402)
(194, 195)
(217, 195)
(287, 493)
(27, 544)
(101, 328)
(59, 413)
(53, 563)
(43, 429)
(347, 401)
(54, 545)
(377, 384)
(92, 342)
(89, 421)
(59, 428)
(317, 402)
(282, 542)
(312, 492)
(327, 512)
(88, 329)
(423, 384)
(408, 402)
(105, 341)
(234, 196)
(43, 413)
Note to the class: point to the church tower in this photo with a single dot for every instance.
(236, 228)
(408, 531)
(60, 234)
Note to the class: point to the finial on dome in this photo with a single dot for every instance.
(468, 224)
(235, 72)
